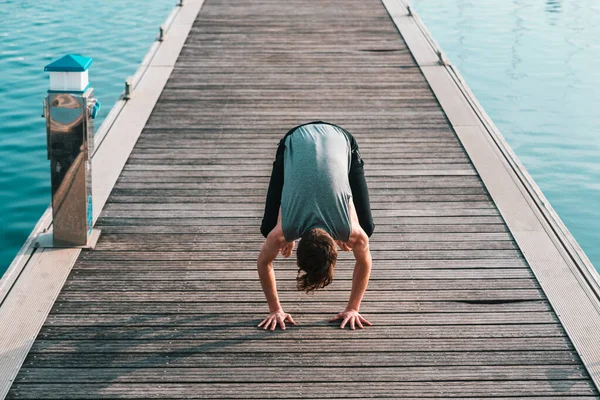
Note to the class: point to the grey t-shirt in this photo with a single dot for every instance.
(316, 191)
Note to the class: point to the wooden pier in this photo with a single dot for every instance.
(166, 305)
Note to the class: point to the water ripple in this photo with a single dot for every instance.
(533, 67)
(33, 34)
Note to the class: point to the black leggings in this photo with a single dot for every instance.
(356, 176)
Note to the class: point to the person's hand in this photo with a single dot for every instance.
(277, 317)
(343, 246)
(287, 248)
(353, 317)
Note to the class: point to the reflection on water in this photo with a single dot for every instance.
(553, 6)
(533, 67)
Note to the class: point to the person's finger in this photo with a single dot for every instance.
(272, 323)
(281, 322)
(344, 322)
(364, 321)
(263, 321)
(267, 322)
(289, 318)
(360, 325)
(352, 326)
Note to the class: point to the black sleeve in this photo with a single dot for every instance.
(360, 191)
(273, 201)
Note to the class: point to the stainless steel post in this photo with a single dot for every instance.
(70, 108)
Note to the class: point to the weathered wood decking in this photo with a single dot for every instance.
(167, 303)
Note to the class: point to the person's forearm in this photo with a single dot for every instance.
(360, 280)
(266, 275)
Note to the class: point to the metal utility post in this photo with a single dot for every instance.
(70, 108)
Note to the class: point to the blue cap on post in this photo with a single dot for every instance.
(69, 63)
(69, 74)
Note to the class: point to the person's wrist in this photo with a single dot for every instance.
(276, 310)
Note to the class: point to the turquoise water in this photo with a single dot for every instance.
(115, 33)
(535, 68)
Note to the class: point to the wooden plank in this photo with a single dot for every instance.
(241, 182)
(381, 238)
(406, 159)
(289, 284)
(275, 133)
(300, 360)
(131, 227)
(257, 374)
(332, 333)
(258, 205)
(257, 213)
(231, 274)
(269, 149)
(236, 138)
(378, 194)
(377, 152)
(475, 295)
(255, 122)
(209, 140)
(254, 223)
(158, 156)
(421, 315)
(376, 172)
(265, 170)
(405, 390)
(389, 308)
(356, 345)
(90, 262)
(194, 183)
(381, 201)
(251, 256)
(214, 244)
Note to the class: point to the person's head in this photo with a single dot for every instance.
(316, 257)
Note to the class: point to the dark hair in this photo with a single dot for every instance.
(316, 257)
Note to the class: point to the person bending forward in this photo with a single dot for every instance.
(317, 193)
